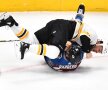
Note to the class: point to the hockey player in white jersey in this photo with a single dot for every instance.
(57, 36)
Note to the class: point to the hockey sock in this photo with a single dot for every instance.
(24, 35)
(45, 50)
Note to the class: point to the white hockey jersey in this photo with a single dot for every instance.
(84, 29)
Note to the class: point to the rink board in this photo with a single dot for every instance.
(52, 5)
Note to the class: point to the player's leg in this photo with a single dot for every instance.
(80, 13)
(50, 51)
(23, 34)
(28, 39)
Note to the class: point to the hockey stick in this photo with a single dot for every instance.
(3, 14)
(8, 40)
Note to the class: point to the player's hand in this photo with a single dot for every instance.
(88, 55)
(68, 45)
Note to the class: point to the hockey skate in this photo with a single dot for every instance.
(20, 49)
(80, 13)
(7, 20)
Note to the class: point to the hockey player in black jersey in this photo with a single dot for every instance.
(59, 37)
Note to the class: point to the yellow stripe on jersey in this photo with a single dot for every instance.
(44, 49)
(79, 32)
(85, 33)
(80, 29)
(39, 49)
(21, 32)
(24, 36)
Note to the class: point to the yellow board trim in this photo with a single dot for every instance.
(52, 5)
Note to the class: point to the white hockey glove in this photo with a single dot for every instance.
(105, 48)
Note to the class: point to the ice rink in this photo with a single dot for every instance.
(32, 73)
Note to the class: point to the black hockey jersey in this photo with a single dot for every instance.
(58, 32)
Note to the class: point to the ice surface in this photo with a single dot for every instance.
(33, 74)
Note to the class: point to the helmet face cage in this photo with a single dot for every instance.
(74, 54)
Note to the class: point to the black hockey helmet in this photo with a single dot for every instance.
(74, 54)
